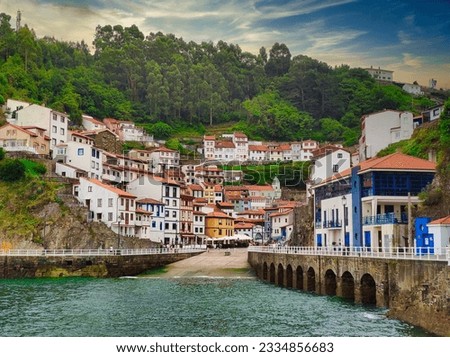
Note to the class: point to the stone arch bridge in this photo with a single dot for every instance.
(415, 290)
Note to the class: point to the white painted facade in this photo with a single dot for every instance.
(413, 89)
(166, 191)
(282, 224)
(441, 234)
(108, 204)
(380, 129)
(54, 122)
(330, 163)
(150, 220)
(91, 124)
(164, 159)
(12, 106)
(81, 156)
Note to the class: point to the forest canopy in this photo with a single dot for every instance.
(160, 78)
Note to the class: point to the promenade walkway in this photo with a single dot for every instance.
(212, 263)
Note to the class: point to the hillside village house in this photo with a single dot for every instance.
(28, 139)
(89, 123)
(164, 159)
(366, 206)
(328, 161)
(166, 191)
(378, 130)
(380, 74)
(55, 123)
(150, 219)
(108, 204)
(282, 224)
(219, 225)
(75, 159)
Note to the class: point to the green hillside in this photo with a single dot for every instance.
(179, 89)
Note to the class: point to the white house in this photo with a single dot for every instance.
(164, 159)
(440, 228)
(282, 224)
(258, 152)
(381, 74)
(166, 191)
(91, 124)
(56, 123)
(378, 130)
(432, 113)
(413, 89)
(80, 156)
(209, 147)
(108, 204)
(12, 106)
(225, 151)
(240, 141)
(328, 161)
(150, 219)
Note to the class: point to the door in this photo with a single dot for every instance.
(347, 239)
(319, 239)
(367, 242)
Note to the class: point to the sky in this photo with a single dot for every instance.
(411, 38)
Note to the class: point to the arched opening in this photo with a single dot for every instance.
(272, 273)
(289, 276)
(311, 280)
(280, 275)
(264, 271)
(368, 290)
(300, 278)
(348, 286)
(330, 283)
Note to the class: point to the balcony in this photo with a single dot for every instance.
(332, 224)
(386, 218)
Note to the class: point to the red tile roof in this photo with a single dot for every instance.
(397, 161)
(259, 187)
(258, 148)
(218, 215)
(116, 190)
(209, 137)
(150, 200)
(225, 145)
(284, 213)
(243, 225)
(240, 135)
(444, 221)
(21, 129)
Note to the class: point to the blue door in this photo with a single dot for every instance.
(425, 244)
(367, 242)
(319, 239)
(347, 239)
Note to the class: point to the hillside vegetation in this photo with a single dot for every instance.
(171, 86)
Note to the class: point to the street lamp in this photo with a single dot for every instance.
(344, 204)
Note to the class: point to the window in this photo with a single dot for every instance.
(153, 224)
(62, 119)
(62, 131)
(335, 168)
(80, 152)
(174, 226)
(167, 213)
(339, 155)
(166, 226)
(99, 202)
(167, 191)
(174, 203)
(174, 192)
(110, 216)
(110, 202)
(54, 129)
(89, 188)
(174, 214)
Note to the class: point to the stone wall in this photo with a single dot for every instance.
(415, 291)
(99, 267)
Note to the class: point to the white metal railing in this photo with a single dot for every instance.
(98, 252)
(416, 253)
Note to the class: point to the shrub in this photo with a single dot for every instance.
(2, 154)
(11, 170)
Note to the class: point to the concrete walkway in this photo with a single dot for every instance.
(214, 263)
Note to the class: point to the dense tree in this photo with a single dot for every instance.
(161, 78)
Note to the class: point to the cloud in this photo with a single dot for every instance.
(412, 61)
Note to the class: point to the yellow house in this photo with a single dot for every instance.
(218, 225)
(30, 138)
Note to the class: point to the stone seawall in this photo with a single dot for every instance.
(415, 291)
(12, 267)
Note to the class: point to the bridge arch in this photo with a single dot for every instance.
(264, 271)
(330, 282)
(348, 286)
(311, 280)
(300, 278)
(368, 290)
(272, 273)
(280, 275)
(289, 276)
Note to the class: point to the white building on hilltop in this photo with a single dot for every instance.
(378, 130)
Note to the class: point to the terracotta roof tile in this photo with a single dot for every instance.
(444, 220)
(116, 190)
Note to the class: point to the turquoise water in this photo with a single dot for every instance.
(181, 307)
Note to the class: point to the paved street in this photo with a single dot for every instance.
(214, 263)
